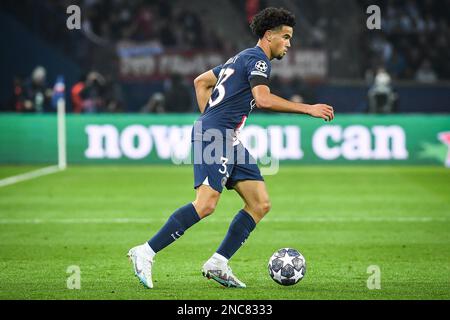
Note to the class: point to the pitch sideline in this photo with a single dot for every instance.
(29, 175)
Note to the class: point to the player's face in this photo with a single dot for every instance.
(281, 41)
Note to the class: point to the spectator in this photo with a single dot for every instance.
(144, 24)
(382, 98)
(113, 95)
(76, 96)
(426, 74)
(155, 104)
(37, 94)
(297, 98)
(397, 65)
(178, 97)
(251, 8)
(18, 98)
(302, 89)
(91, 95)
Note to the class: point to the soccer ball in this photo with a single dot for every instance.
(287, 266)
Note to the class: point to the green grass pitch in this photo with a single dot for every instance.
(342, 218)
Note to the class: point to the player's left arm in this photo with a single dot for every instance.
(204, 85)
(264, 99)
(258, 72)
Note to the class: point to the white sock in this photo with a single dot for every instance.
(149, 250)
(220, 258)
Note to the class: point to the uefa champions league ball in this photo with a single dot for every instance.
(287, 266)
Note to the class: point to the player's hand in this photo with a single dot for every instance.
(323, 111)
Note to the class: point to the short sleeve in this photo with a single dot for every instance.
(258, 67)
(216, 70)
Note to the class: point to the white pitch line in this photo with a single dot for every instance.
(150, 221)
(28, 176)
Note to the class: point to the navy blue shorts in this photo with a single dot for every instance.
(231, 164)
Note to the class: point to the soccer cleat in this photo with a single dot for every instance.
(221, 273)
(142, 264)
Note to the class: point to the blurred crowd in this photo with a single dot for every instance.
(91, 94)
(412, 45)
(164, 22)
(95, 93)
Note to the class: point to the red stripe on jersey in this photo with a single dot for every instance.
(241, 124)
(445, 137)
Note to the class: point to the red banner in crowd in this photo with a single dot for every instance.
(149, 61)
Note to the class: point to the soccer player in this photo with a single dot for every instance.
(226, 96)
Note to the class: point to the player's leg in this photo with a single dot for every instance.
(185, 217)
(256, 198)
(206, 201)
(142, 256)
(182, 219)
(208, 183)
(257, 205)
(246, 179)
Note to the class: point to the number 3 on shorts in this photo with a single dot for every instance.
(224, 165)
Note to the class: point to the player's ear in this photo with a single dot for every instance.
(269, 35)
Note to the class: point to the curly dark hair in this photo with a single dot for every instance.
(271, 18)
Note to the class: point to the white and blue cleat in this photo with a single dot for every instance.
(142, 264)
(221, 273)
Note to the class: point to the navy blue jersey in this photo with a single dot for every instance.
(231, 100)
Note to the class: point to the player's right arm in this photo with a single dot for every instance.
(264, 99)
(204, 85)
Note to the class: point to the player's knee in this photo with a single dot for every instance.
(261, 209)
(209, 208)
(205, 209)
(265, 207)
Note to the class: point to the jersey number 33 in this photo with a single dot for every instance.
(223, 76)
